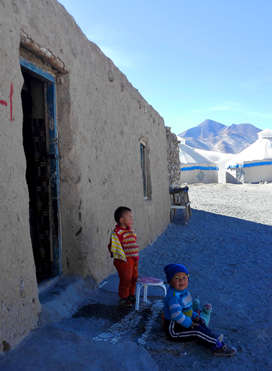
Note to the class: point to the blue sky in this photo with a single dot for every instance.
(190, 59)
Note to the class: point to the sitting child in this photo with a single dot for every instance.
(180, 322)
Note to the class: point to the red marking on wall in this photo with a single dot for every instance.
(10, 100)
(5, 103)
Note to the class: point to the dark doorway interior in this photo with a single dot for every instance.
(42, 216)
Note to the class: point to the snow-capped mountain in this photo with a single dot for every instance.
(214, 136)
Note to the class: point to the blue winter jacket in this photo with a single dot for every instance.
(178, 307)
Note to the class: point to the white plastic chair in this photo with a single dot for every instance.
(145, 282)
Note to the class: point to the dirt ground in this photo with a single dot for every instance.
(227, 248)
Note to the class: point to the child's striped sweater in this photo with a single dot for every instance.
(124, 244)
(128, 241)
(178, 307)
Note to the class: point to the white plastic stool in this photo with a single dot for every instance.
(145, 282)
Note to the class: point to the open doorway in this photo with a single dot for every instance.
(42, 176)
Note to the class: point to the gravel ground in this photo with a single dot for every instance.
(251, 202)
(227, 248)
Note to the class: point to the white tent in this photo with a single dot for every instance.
(253, 164)
(195, 168)
(220, 158)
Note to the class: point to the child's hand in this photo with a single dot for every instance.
(196, 319)
(195, 324)
(199, 321)
(109, 248)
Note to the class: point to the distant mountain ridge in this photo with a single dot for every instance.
(214, 136)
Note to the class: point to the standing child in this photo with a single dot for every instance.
(180, 322)
(125, 251)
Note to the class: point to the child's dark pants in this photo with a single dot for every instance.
(197, 332)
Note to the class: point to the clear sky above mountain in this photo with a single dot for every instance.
(191, 60)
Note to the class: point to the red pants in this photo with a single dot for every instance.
(128, 274)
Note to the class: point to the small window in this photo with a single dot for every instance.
(145, 166)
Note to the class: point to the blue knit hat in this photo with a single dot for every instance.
(171, 269)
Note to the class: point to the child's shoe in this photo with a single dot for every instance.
(132, 299)
(125, 303)
(223, 350)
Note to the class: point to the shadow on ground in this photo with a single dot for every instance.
(230, 265)
(112, 313)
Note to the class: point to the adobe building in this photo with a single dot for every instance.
(173, 158)
(77, 140)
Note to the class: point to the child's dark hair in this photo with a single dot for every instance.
(119, 212)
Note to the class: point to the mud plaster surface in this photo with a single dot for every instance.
(100, 120)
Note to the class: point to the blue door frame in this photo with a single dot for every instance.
(53, 160)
